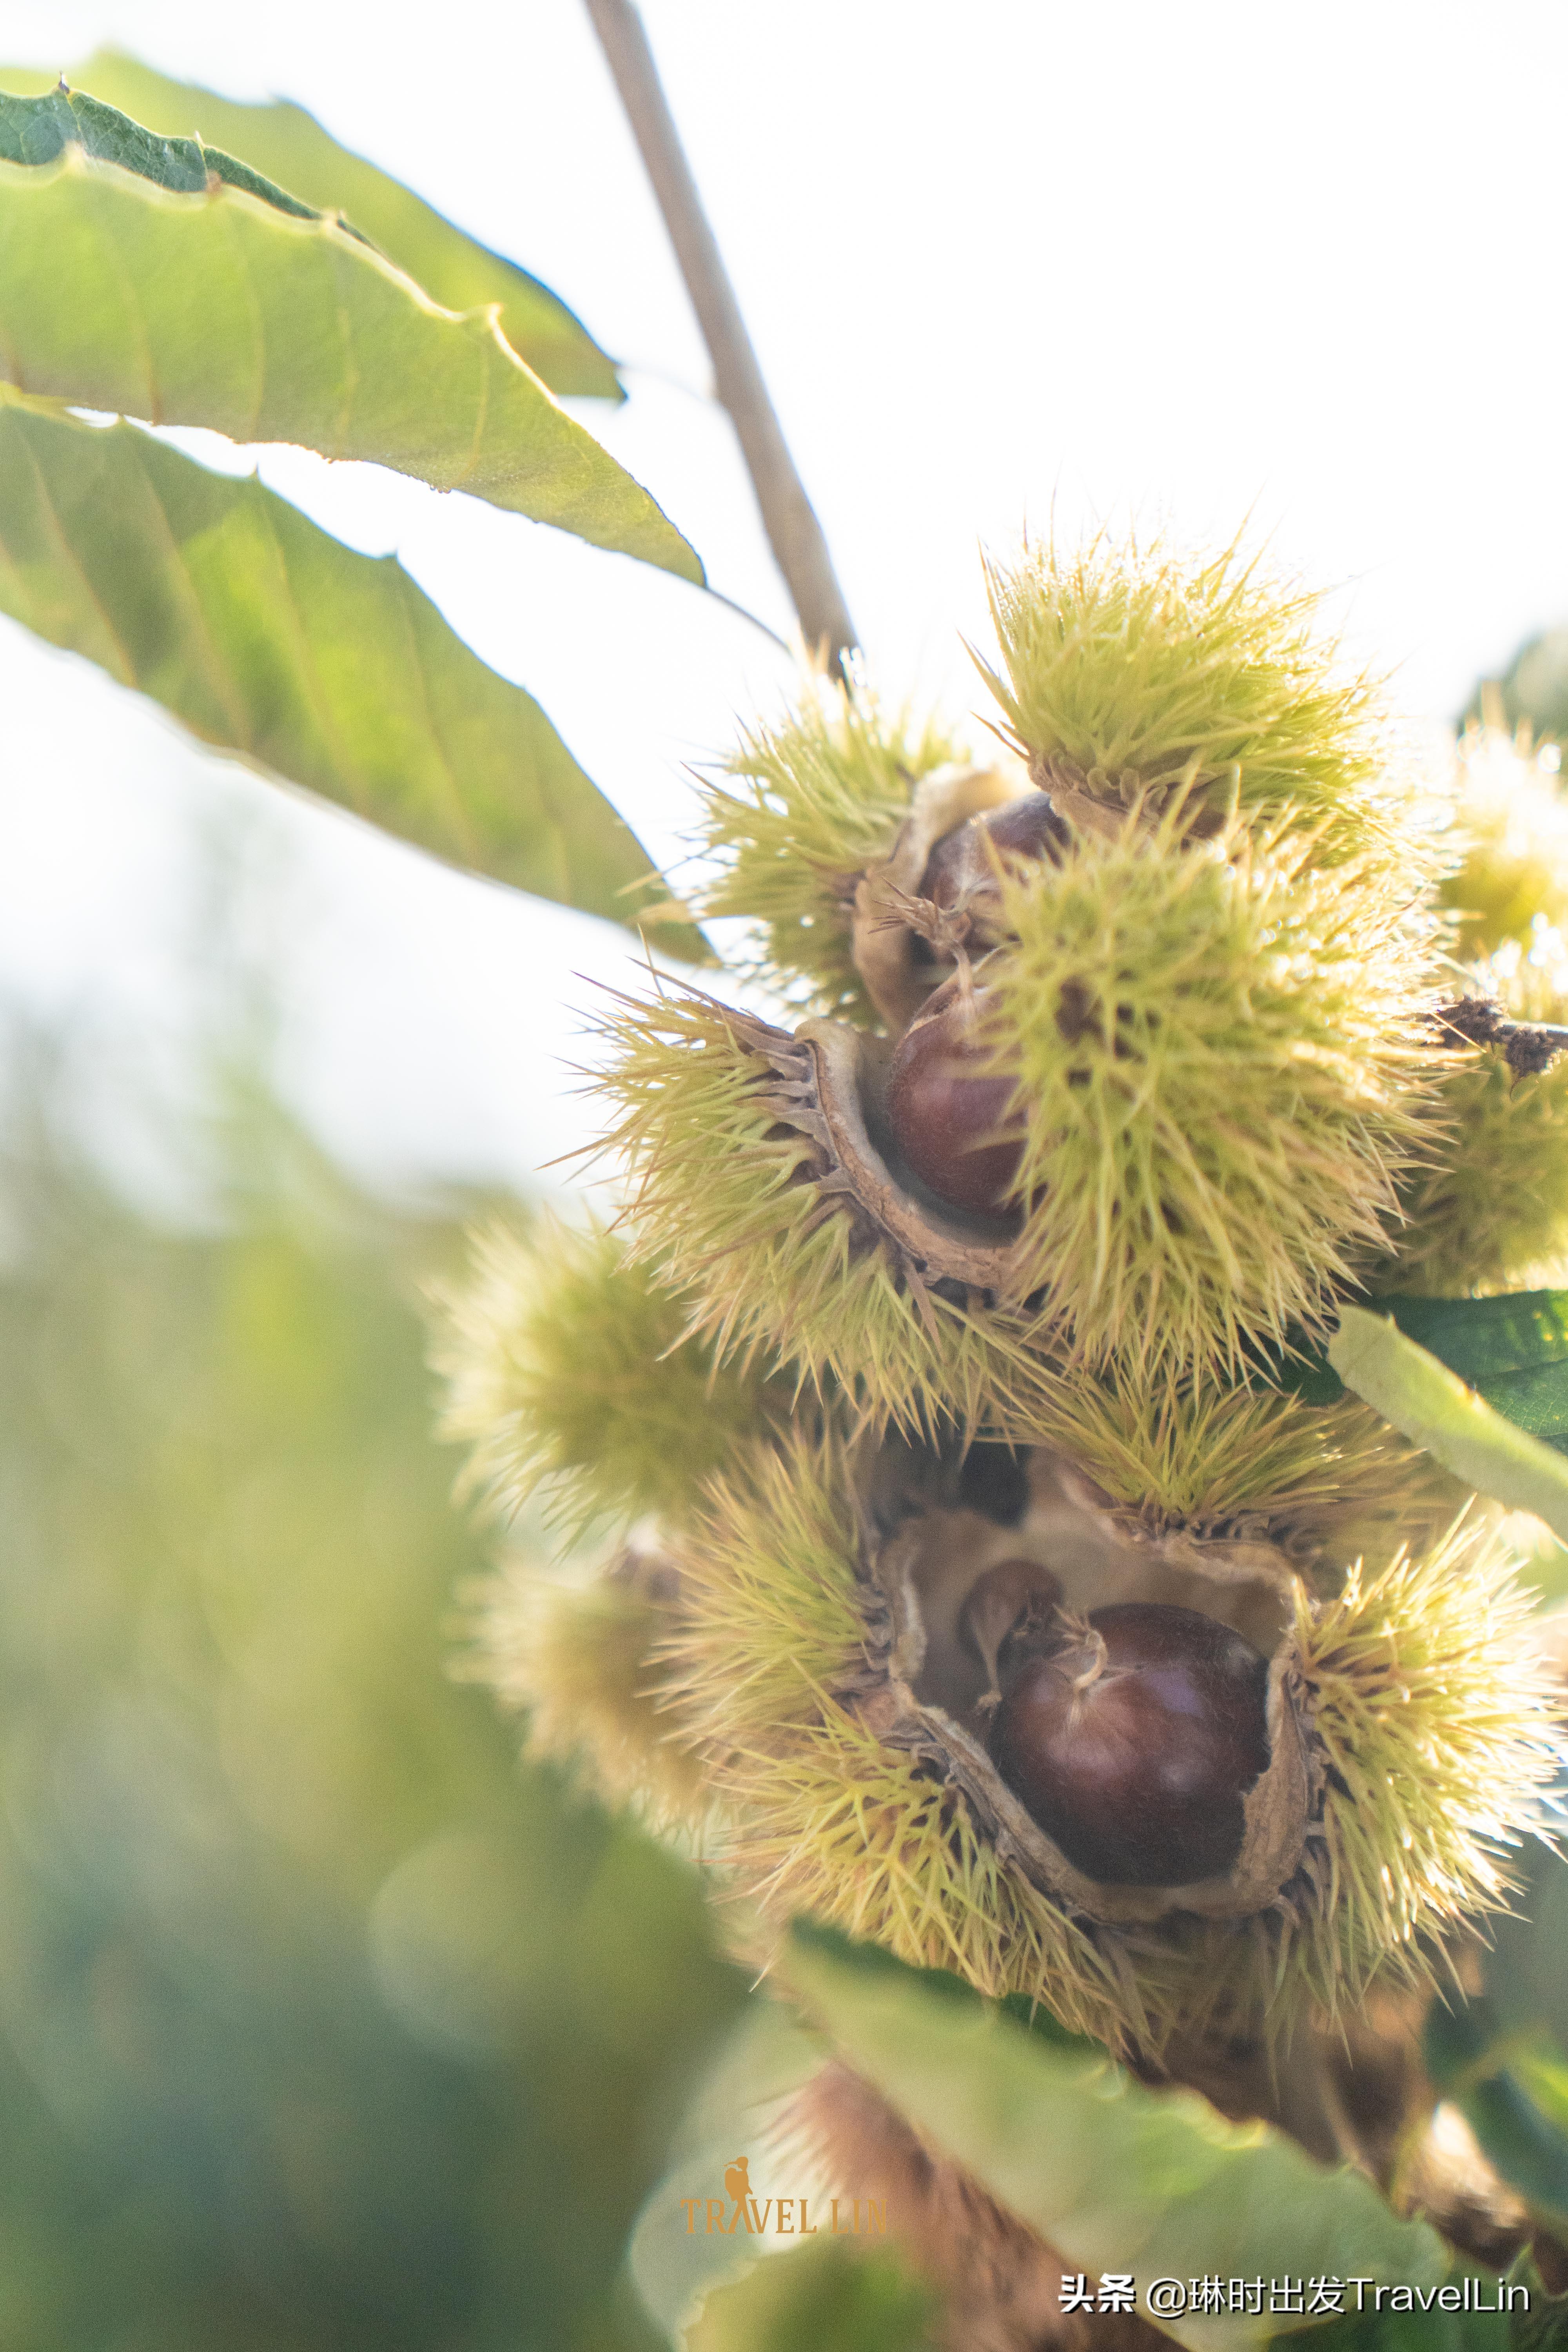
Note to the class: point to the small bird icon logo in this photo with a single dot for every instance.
(737, 2180)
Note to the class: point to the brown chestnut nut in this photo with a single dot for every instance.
(963, 862)
(1009, 1613)
(1134, 1745)
(948, 1112)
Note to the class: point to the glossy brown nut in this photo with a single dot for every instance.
(946, 1109)
(1139, 1772)
(962, 861)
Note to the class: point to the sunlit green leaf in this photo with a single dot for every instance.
(1434, 1409)
(267, 638)
(1119, 2178)
(292, 147)
(220, 309)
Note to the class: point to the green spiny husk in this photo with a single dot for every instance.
(1435, 1718)
(1510, 841)
(1442, 1726)
(823, 793)
(824, 1817)
(582, 1662)
(1322, 1480)
(570, 1373)
(1220, 1017)
(1489, 1209)
(1220, 1071)
(724, 1193)
(1135, 672)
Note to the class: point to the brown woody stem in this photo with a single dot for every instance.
(793, 532)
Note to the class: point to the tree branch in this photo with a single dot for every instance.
(793, 532)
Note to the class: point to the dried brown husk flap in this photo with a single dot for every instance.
(887, 952)
(1096, 802)
(829, 1082)
(926, 1692)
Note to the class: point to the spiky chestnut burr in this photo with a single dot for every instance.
(1507, 843)
(1134, 1742)
(801, 811)
(1134, 680)
(1486, 1206)
(1137, 678)
(1221, 1066)
(571, 1377)
(822, 1677)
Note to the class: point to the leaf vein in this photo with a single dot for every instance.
(127, 666)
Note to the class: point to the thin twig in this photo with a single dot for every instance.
(793, 532)
(1529, 1046)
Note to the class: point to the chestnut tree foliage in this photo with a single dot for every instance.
(168, 258)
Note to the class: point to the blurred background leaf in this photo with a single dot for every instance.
(1415, 2331)
(1501, 2056)
(822, 2297)
(322, 2023)
(1533, 687)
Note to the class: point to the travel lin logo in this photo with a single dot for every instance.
(777, 2214)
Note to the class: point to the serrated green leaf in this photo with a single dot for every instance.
(219, 309)
(39, 130)
(291, 146)
(1436, 1410)
(1118, 2176)
(269, 638)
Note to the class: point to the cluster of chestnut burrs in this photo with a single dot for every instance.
(1131, 1734)
(978, 1579)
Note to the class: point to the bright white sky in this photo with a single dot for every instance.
(1191, 263)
